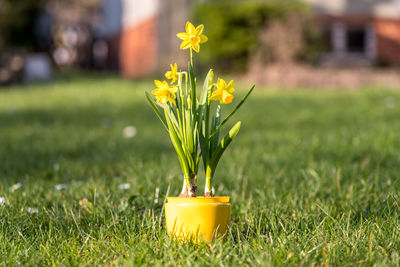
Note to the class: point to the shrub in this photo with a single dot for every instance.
(234, 27)
(17, 22)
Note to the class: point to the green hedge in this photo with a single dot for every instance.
(232, 27)
(17, 19)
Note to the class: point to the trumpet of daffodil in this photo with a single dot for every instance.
(193, 37)
(224, 92)
(172, 74)
(164, 92)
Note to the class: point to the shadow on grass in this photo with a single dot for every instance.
(300, 132)
(34, 141)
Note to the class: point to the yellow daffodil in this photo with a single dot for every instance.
(172, 74)
(164, 92)
(224, 92)
(193, 37)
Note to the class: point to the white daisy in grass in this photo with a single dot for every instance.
(15, 187)
(60, 187)
(2, 201)
(32, 210)
(156, 194)
(129, 131)
(124, 186)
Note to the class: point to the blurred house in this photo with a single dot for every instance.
(359, 32)
(138, 38)
(141, 35)
(355, 32)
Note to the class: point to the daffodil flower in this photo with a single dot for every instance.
(193, 129)
(164, 92)
(224, 92)
(172, 74)
(193, 37)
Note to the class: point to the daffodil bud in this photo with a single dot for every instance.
(210, 82)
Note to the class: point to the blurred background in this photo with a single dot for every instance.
(289, 43)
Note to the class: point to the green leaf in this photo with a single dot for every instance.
(203, 104)
(215, 123)
(156, 110)
(223, 145)
(176, 142)
(192, 80)
(173, 119)
(208, 81)
(204, 111)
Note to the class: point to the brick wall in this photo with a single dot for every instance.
(353, 20)
(139, 44)
(388, 39)
(148, 37)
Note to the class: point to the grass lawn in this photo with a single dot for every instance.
(313, 178)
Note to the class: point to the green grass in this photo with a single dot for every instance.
(313, 178)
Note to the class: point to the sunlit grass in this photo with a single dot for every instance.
(313, 178)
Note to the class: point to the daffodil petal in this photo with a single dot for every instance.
(189, 28)
(160, 99)
(196, 48)
(199, 29)
(185, 44)
(227, 97)
(221, 84)
(158, 83)
(216, 95)
(173, 89)
(230, 84)
(183, 35)
(203, 38)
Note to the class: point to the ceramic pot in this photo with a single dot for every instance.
(197, 219)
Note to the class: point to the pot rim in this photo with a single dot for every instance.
(221, 199)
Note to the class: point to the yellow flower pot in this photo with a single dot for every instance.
(197, 219)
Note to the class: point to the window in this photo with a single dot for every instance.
(356, 39)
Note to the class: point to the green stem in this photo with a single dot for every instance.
(207, 189)
(185, 187)
(184, 192)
